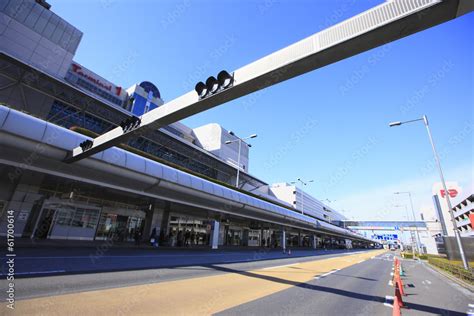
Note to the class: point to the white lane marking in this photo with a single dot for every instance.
(285, 265)
(388, 301)
(471, 305)
(429, 282)
(326, 274)
(390, 283)
(39, 272)
(361, 261)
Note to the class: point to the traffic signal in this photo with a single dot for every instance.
(130, 124)
(85, 145)
(212, 86)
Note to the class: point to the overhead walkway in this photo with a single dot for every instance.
(386, 225)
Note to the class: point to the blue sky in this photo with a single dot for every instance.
(330, 125)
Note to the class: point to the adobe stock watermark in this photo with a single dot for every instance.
(285, 148)
(462, 134)
(340, 173)
(336, 14)
(200, 73)
(433, 80)
(28, 161)
(10, 259)
(175, 14)
(266, 5)
(362, 71)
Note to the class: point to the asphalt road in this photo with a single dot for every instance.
(355, 283)
(364, 289)
(46, 272)
(49, 261)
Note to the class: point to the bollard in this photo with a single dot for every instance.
(401, 270)
(398, 296)
(398, 281)
(396, 307)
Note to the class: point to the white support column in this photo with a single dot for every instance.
(215, 234)
(283, 239)
(315, 242)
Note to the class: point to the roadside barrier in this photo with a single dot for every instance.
(396, 307)
(399, 291)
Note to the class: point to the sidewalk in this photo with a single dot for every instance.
(21, 243)
(430, 292)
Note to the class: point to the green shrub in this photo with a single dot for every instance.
(454, 268)
(422, 256)
(407, 255)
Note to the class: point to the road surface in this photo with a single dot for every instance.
(354, 283)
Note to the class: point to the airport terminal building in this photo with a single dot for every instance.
(175, 184)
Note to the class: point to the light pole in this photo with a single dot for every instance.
(448, 200)
(418, 241)
(240, 140)
(411, 232)
(302, 191)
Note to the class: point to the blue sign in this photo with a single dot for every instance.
(386, 236)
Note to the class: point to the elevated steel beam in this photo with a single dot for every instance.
(382, 24)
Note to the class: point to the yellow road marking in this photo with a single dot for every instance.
(196, 296)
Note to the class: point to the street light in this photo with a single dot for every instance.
(240, 140)
(448, 200)
(411, 232)
(418, 241)
(302, 191)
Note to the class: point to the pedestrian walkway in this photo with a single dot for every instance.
(429, 292)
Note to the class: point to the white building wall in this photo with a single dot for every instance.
(37, 36)
(461, 214)
(212, 137)
(301, 200)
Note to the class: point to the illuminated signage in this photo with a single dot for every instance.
(84, 73)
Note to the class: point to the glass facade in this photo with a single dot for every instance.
(68, 117)
(120, 225)
(186, 232)
(65, 220)
(93, 88)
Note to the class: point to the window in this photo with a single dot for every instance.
(85, 218)
(64, 217)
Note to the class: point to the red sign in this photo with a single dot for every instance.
(471, 218)
(452, 193)
(78, 70)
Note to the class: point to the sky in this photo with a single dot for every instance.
(329, 125)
